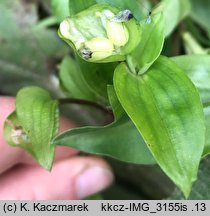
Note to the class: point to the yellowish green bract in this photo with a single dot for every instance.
(101, 33)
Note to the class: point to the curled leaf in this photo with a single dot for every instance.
(34, 124)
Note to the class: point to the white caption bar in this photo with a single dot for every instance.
(94, 207)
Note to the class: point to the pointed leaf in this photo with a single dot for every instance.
(197, 68)
(165, 107)
(119, 140)
(150, 45)
(201, 189)
(37, 113)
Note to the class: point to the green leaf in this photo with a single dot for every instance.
(197, 68)
(166, 109)
(97, 196)
(28, 55)
(77, 6)
(37, 113)
(174, 11)
(201, 189)
(196, 32)
(97, 75)
(115, 104)
(191, 45)
(119, 140)
(200, 12)
(133, 6)
(150, 45)
(60, 9)
(15, 135)
(73, 81)
(207, 118)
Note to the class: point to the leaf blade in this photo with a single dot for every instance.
(152, 39)
(109, 141)
(197, 67)
(73, 80)
(151, 107)
(38, 115)
(60, 9)
(200, 190)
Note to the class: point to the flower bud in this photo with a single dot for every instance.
(117, 33)
(101, 33)
(100, 48)
(65, 29)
